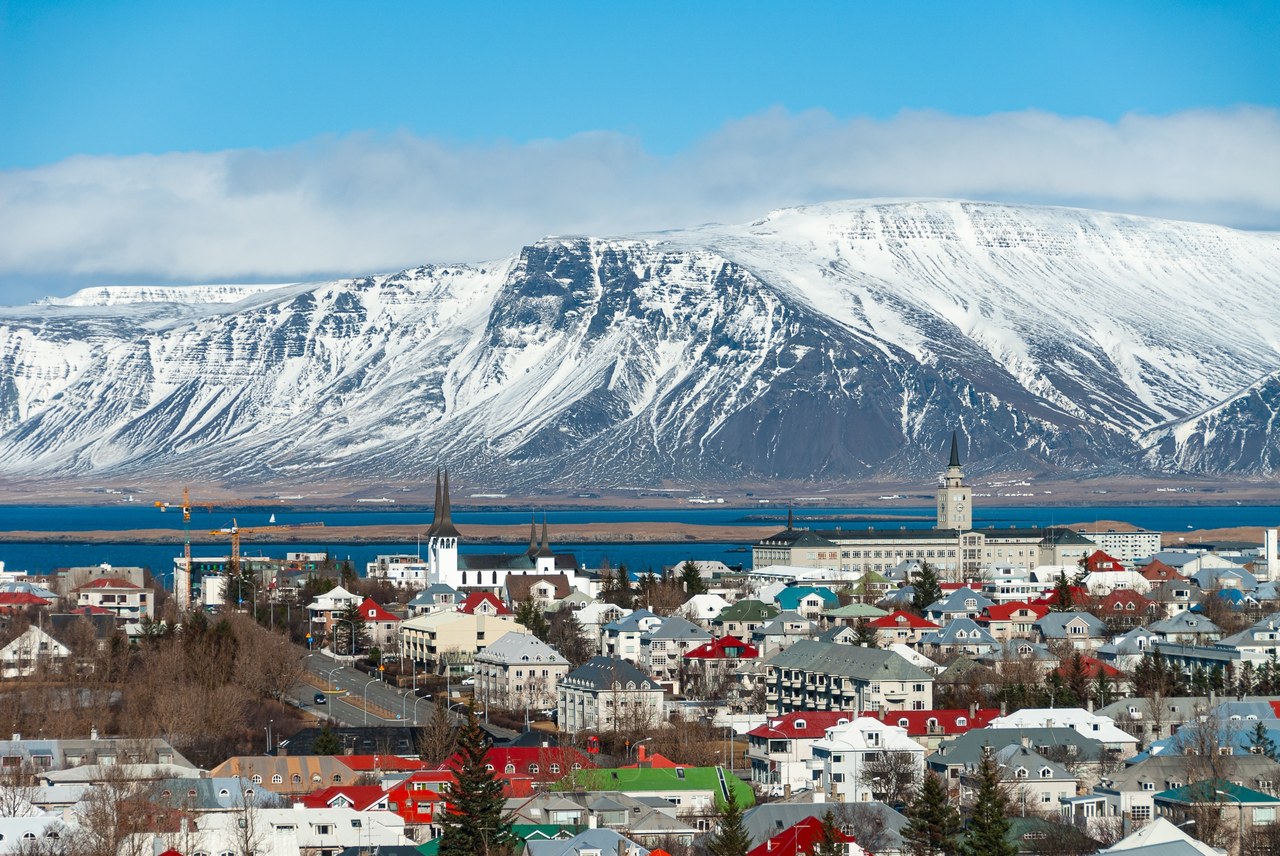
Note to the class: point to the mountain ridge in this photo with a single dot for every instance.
(835, 342)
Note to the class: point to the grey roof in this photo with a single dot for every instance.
(515, 647)
(974, 634)
(848, 660)
(967, 749)
(1208, 578)
(678, 628)
(1032, 761)
(834, 634)
(1184, 622)
(1164, 771)
(1054, 625)
(796, 538)
(777, 625)
(954, 602)
(602, 673)
(629, 623)
(600, 840)
(1136, 641)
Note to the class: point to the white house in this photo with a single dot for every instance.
(846, 756)
(780, 750)
(326, 607)
(1100, 728)
(33, 650)
(519, 671)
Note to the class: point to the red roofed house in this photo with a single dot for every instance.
(418, 805)
(900, 627)
(1013, 620)
(1091, 667)
(714, 662)
(1158, 572)
(380, 763)
(1100, 562)
(19, 600)
(384, 626)
(526, 769)
(802, 839)
(484, 603)
(358, 797)
(122, 597)
(1079, 597)
(1126, 608)
(930, 727)
(780, 750)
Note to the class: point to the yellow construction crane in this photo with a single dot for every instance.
(235, 531)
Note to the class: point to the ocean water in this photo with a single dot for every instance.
(42, 557)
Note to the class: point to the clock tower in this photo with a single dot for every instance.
(955, 501)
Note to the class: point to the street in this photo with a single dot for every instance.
(340, 681)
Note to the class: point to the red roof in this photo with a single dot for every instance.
(901, 618)
(368, 763)
(1091, 666)
(478, 597)
(1099, 561)
(805, 725)
(373, 612)
(21, 598)
(718, 649)
(1005, 611)
(91, 610)
(657, 761)
(799, 839)
(1078, 596)
(359, 797)
(1124, 597)
(948, 721)
(108, 582)
(1156, 570)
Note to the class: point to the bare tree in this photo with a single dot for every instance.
(891, 776)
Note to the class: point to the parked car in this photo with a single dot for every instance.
(321, 699)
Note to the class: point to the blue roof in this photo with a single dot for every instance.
(790, 597)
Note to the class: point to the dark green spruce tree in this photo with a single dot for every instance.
(831, 840)
(925, 587)
(730, 837)
(932, 821)
(529, 614)
(1260, 742)
(988, 831)
(1066, 599)
(691, 577)
(867, 636)
(474, 824)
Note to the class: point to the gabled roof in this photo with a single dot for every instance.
(678, 628)
(848, 660)
(955, 602)
(724, 648)
(476, 598)
(1054, 625)
(856, 609)
(801, 838)
(10, 599)
(108, 582)
(1213, 791)
(901, 618)
(790, 597)
(520, 586)
(1091, 667)
(803, 725)
(1005, 611)
(964, 631)
(372, 611)
(516, 647)
(748, 610)
(1156, 570)
(949, 721)
(601, 673)
(358, 797)
(1100, 562)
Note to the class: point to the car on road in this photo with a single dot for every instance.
(468, 682)
(321, 699)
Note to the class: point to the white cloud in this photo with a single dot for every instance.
(362, 204)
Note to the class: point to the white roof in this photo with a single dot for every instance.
(1100, 728)
(1161, 831)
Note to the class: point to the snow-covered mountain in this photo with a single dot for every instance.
(830, 342)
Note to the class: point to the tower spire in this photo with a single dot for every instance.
(435, 510)
(445, 528)
(955, 451)
(533, 537)
(544, 549)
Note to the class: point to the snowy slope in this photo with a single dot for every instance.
(840, 341)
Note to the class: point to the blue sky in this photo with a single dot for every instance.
(342, 106)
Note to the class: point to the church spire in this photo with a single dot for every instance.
(533, 537)
(544, 549)
(445, 528)
(955, 451)
(435, 510)
(790, 519)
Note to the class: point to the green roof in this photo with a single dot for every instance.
(632, 781)
(430, 848)
(748, 610)
(1215, 790)
(855, 610)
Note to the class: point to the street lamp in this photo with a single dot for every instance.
(415, 708)
(1240, 804)
(364, 695)
(636, 746)
(330, 675)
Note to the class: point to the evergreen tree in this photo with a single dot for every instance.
(927, 588)
(691, 577)
(831, 840)
(867, 636)
(530, 615)
(352, 630)
(988, 829)
(474, 824)
(1066, 599)
(1102, 689)
(567, 637)
(1261, 743)
(932, 821)
(626, 591)
(730, 837)
(326, 742)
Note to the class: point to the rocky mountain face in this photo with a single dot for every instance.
(830, 343)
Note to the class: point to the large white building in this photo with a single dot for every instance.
(1125, 546)
(845, 758)
(519, 671)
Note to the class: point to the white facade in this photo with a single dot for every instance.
(1100, 728)
(33, 650)
(1127, 547)
(402, 571)
(843, 756)
(519, 671)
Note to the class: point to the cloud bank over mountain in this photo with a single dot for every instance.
(360, 203)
